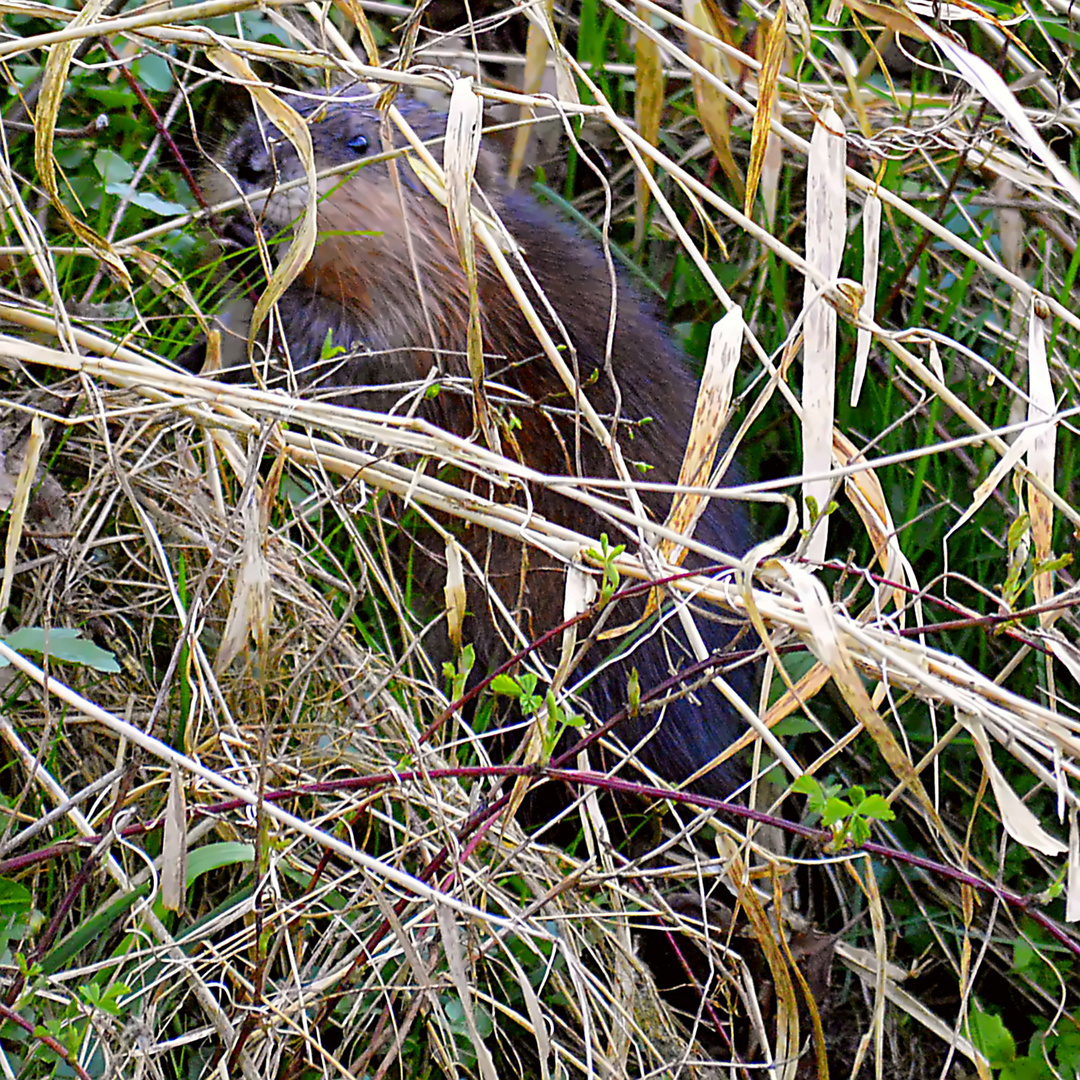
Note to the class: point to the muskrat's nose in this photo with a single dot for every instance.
(251, 169)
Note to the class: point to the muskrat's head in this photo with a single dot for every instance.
(385, 272)
(346, 129)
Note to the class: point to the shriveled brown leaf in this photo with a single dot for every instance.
(712, 106)
(648, 111)
(775, 45)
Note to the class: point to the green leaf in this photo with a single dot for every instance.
(858, 831)
(14, 898)
(1023, 955)
(153, 71)
(455, 1013)
(117, 97)
(212, 856)
(812, 788)
(108, 999)
(791, 726)
(1070, 37)
(70, 157)
(102, 925)
(484, 1024)
(329, 349)
(1017, 530)
(60, 643)
(836, 810)
(112, 168)
(1067, 1047)
(146, 200)
(993, 1038)
(504, 684)
(806, 785)
(1026, 1068)
(25, 74)
(202, 860)
(876, 807)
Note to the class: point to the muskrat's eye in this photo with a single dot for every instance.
(358, 143)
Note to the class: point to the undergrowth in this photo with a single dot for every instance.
(252, 827)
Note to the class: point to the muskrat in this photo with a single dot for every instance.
(397, 314)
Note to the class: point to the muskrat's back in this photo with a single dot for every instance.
(386, 284)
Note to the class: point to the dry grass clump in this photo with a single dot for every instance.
(387, 901)
(363, 891)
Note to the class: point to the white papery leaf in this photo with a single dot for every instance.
(826, 229)
(983, 78)
(871, 232)
(1040, 457)
(1020, 823)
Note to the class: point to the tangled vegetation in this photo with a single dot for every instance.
(252, 828)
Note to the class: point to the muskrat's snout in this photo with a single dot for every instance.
(253, 165)
(259, 158)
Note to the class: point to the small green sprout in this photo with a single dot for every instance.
(458, 676)
(559, 718)
(848, 818)
(606, 557)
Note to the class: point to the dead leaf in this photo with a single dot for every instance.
(293, 126)
(775, 46)
(174, 844)
(1020, 823)
(871, 237)
(454, 593)
(1040, 457)
(826, 232)
(712, 106)
(648, 111)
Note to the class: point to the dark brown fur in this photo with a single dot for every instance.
(396, 323)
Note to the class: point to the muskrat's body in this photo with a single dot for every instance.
(398, 316)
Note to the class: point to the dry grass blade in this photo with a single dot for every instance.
(1020, 823)
(536, 58)
(648, 112)
(775, 46)
(706, 429)
(464, 122)
(251, 611)
(17, 506)
(871, 229)
(826, 219)
(53, 80)
(174, 860)
(712, 107)
(1040, 461)
(289, 122)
